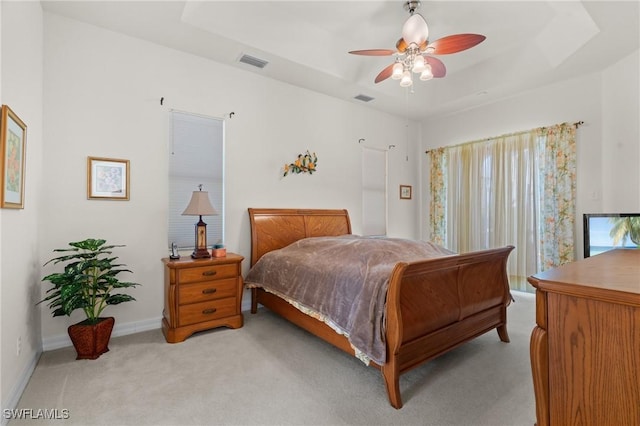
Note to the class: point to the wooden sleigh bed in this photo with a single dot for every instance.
(432, 306)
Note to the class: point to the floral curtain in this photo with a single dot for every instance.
(557, 159)
(438, 199)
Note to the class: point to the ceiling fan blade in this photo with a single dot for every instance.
(385, 73)
(437, 67)
(373, 52)
(455, 43)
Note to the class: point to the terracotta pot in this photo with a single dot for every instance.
(91, 340)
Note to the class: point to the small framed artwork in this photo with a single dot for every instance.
(107, 178)
(13, 149)
(405, 192)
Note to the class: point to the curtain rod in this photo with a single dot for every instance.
(576, 124)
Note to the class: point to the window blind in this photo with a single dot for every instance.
(197, 158)
(374, 192)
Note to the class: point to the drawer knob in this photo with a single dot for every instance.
(208, 273)
(209, 311)
(209, 291)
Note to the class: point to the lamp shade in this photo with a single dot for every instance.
(200, 205)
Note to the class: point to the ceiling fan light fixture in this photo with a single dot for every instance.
(427, 73)
(418, 64)
(396, 73)
(415, 30)
(414, 52)
(406, 80)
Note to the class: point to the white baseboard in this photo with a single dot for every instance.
(137, 327)
(246, 305)
(63, 341)
(524, 294)
(16, 392)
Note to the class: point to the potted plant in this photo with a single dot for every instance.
(88, 282)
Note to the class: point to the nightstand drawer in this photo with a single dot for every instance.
(205, 273)
(206, 311)
(208, 290)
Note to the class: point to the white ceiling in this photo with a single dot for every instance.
(529, 43)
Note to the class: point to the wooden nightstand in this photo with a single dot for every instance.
(200, 294)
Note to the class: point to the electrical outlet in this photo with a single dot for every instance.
(19, 345)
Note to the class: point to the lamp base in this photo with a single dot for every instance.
(200, 250)
(200, 254)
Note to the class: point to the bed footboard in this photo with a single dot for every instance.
(439, 304)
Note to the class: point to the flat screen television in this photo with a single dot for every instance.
(600, 231)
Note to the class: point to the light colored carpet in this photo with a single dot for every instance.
(272, 373)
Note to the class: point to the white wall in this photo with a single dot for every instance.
(102, 95)
(608, 143)
(21, 89)
(620, 136)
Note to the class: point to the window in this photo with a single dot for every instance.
(196, 158)
(516, 189)
(374, 192)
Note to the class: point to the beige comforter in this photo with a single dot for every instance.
(342, 281)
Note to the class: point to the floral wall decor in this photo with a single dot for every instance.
(305, 163)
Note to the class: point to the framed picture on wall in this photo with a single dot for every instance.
(405, 192)
(13, 140)
(107, 178)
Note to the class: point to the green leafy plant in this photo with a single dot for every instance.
(88, 280)
(305, 163)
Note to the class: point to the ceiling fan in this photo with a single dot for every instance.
(413, 50)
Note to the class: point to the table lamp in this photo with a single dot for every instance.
(200, 205)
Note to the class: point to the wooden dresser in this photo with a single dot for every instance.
(200, 294)
(585, 349)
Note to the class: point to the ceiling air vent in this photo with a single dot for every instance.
(253, 61)
(363, 98)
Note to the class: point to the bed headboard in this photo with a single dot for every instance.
(272, 229)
